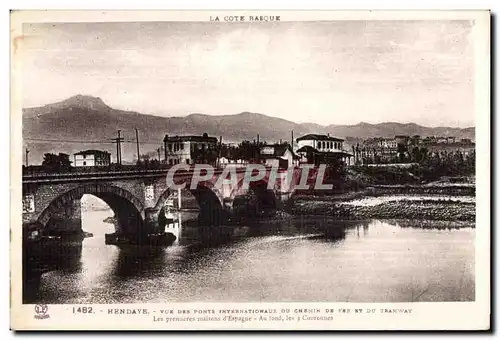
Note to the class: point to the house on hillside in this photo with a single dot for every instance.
(190, 149)
(92, 158)
(316, 149)
(464, 148)
(277, 155)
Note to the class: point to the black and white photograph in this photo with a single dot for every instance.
(251, 158)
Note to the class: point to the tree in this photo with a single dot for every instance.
(402, 150)
(249, 151)
(205, 154)
(56, 163)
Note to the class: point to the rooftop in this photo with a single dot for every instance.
(313, 136)
(310, 149)
(190, 138)
(92, 152)
(278, 150)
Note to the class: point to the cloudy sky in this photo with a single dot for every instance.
(336, 72)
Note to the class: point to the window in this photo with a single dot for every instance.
(182, 146)
(84, 156)
(84, 163)
(169, 146)
(187, 160)
(170, 161)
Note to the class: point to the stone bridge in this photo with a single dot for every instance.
(51, 202)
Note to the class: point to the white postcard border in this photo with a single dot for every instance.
(435, 316)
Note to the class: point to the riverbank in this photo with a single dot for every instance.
(416, 207)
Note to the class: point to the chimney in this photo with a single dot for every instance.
(328, 134)
(280, 140)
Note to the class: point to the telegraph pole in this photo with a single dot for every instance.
(220, 150)
(118, 141)
(27, 152)
(137, 142)
(159, 153)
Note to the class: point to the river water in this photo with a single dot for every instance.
(372, 261)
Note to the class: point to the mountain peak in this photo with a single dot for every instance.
(83, 101)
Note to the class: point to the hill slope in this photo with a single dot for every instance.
(84, 122)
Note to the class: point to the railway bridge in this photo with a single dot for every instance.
(51, 201)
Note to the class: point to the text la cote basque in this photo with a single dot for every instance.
(251, 18)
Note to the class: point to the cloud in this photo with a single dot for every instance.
(325, 72)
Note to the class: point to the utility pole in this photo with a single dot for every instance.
(220, 149)
(118, 141)
(27, 152)
(137, 142)
(258, 148)
(292, 139)
(159, 158)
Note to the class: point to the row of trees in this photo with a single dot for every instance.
(447, 164)
(245, 150)
(454, 160)
(56, 163)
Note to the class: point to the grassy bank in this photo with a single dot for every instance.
(424, 209)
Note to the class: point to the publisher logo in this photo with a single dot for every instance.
(41, 312)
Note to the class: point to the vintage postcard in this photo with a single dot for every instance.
(250, 170)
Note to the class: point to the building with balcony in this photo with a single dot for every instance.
(190, 149)
(92, 158)
(387, 143)
(316, 149)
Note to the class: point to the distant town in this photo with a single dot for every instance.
(307, 149)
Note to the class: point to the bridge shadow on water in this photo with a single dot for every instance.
(193, 240)
(47, 256)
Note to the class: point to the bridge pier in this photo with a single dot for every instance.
(66, 221)
(282, 199)
(151, 223)
(131, 229)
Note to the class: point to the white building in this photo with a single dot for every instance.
(190, 149)
(387, 143)
(277, 155)
(92, 158)
(314, 148)
(322, 143)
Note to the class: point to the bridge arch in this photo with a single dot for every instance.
(265, 199)
(208, 197)
(128, 209)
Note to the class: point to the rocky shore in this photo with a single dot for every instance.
(432, 189)
(425, 209)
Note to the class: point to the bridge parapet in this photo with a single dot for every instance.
(140, 195)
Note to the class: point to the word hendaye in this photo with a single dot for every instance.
(127, 311)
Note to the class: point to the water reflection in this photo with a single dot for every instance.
(304, 259)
